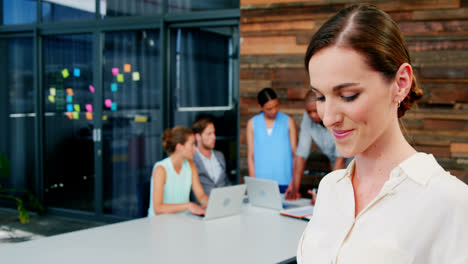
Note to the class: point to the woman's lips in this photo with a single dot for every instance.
(340, 134)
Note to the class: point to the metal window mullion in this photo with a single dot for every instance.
(97, 82)
(39, 121)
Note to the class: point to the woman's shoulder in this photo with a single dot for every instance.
(334, 176)
(441, 183)
(331, 179)
(283, 115)
(162, 163)
(448, 187)
(254, 118)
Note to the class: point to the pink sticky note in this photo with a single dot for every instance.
(89, 108)
(108, 103)
(91, 88)
(115, 71)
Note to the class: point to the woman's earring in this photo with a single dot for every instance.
(398, 103)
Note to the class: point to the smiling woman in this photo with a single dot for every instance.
(360, 71)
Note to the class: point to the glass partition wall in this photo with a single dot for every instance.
(88, 90)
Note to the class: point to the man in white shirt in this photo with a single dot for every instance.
(312, 129)
(210, 163)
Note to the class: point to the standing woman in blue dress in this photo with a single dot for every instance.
(174, 176)
(271, 141)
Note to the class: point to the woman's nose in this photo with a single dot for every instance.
(329, 113)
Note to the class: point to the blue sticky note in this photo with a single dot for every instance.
(113, 87)
(114, 107)
(69, 108)
(76, 72)
(69, 99)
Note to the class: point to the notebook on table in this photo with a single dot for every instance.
(304, 212)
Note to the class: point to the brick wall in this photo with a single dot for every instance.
(274, 37)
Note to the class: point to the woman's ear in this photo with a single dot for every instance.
(403, 82)
(177, 147)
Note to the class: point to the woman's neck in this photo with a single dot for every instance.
(376, 163)
(177, 161)
(269, 122)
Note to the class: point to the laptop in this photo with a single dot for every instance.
(265, 193)
(225, 201)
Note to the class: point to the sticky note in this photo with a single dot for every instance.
(141, 119)
(76, 72)
(52, 91)
(120, 78)
(127, 68)
(113, 87)
(136, 76)
(69, 98)
(77, 107)
(104, 117)
(114, 107)
(69, 108)
(115, 71)
(91, 88)
(108, 103)
(75, 115)
(89, 107)
(70, 91)
(89, 116)
(65, 73)
(52, 98)
(69, 115)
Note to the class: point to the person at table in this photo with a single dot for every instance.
(392, 204)
(175, 176)
(210, 163)
(271, 141)
(312, 130)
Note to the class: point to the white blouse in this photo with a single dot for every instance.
(420, 216)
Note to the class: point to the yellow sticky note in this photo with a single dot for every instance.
(104, 117)
(120, 78)
(75, 115)
(141, 119)
(127, 68)
(52, 91)
(52, 98)
(77, 108)
(65, 73)
(89, 116)
(136, 76)
(69, 115)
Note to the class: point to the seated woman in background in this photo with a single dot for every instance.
(174, 176)
(271, 141)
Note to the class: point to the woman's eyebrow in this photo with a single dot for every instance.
(344, 85)
(336, 88)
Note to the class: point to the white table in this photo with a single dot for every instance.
(256, 236)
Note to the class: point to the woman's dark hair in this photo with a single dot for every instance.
(266, 95)
(373, 34)
(173, 136)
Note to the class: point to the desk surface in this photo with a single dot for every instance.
(256, 236)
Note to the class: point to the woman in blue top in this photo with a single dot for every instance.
(175, 176)
(271, 141)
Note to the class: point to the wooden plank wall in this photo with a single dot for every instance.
(274, 37)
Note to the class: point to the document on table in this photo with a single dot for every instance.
(299, 212)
